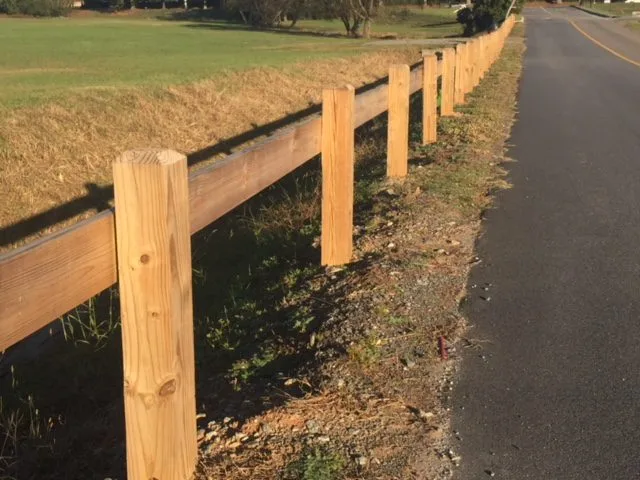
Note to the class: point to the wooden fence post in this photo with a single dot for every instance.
(338, 132)
(468, 70)
(459, 83)
(476, 62)
(154, 270)
(398, 133)
(448, 82)
(430, 98)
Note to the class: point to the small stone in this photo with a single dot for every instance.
(266, 429)
(391, 246)
(491, 473)
(361, 460)
(389, 224)
(485, 298)
(312, 426)
(340, 383)
(210, 449)
(441, 251)
(226, 420)
(323, 439)
(408, 362)
(454, 243)
(425, 415)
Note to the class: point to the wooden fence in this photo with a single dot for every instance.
(158, 205)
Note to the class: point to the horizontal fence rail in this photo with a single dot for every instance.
(42, 281)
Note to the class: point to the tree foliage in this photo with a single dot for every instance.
(37, 8)
(485, 15)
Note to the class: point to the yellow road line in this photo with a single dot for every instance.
(602, 45)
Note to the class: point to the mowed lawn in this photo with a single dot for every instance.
(43, 58)
(47, 57)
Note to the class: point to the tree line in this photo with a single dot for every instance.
(356, 15)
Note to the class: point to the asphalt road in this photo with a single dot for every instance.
(552, 389)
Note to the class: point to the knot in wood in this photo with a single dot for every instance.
(168, 388)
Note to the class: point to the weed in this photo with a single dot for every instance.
(84, 325)
(316, 464)
(366, 351)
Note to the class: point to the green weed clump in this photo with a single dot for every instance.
(316, 464)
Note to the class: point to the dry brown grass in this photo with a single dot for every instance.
(48, 154)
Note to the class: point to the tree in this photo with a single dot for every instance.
(486, 14)
(354, 14)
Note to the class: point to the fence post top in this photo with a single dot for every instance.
(151, 156)
(344, 88)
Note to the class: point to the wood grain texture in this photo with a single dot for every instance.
(398, 128)
(430, 100)
(154, 271)
(448, 82)
(45, 279)
(338, 156)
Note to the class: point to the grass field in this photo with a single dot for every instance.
(56, 56)
(618, 9)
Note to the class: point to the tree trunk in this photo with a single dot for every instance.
(347, 24)
(366, 28)
(164, 5)
(355, 27)
(204, 4)
(186, 5)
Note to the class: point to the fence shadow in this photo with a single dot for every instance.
(100, 198)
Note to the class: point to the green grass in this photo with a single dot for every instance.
(618, 9)
(52, 57)
(401, 22)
